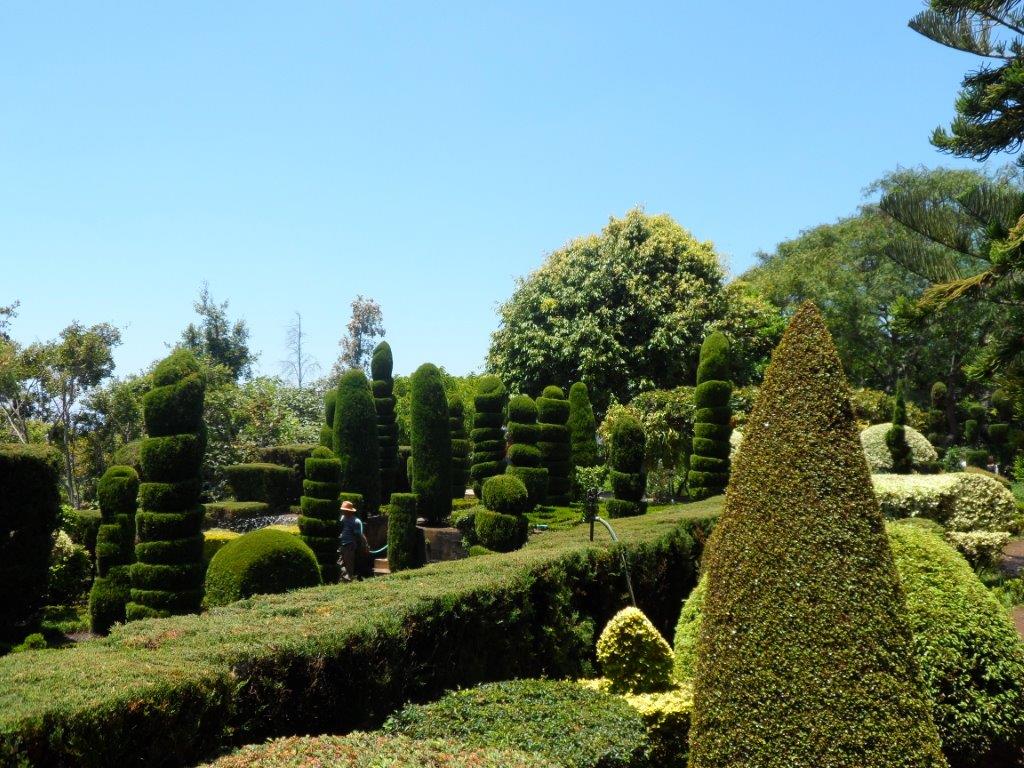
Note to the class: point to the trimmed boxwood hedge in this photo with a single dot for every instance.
(487, 437)
(431, 444)
(320, 518)
(626, 457)
(461, 447)
(711, 428)
(262, 562)
(381, 369)
(117, 492)
(293, 456)
(553, 443)
(355, 439)
(269, 483)
(173, 691)
(405, 547)
(218, 513)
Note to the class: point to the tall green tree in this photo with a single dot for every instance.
(217, 339)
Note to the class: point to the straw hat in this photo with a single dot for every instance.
(347, 506)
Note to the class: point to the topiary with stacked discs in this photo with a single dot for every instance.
(319, 523)
(626, 457)
(431, 444)
(803, 655)
(117, 493)
(709, 461)
(167, 577)
(553, 442)
(487, 436)
(355, 439)
(383, 385)
(523, 454)
(460, 447)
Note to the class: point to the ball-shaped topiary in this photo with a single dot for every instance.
(626, 457)
(708, 473)
(506, 494)
(355, 439)
(804, 654)
(499, 532)
(461, 448)
(553, 442)
(381, 368)
(582, 430)
(29, 507)
(319, 521)
(262, 562)
(404, 540)
(487, 437)
(431, 444)
(633, 655)
(167, 577)
(524, 457)
(117, 492)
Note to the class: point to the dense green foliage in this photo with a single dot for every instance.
(524, 457)
(554, 445)
(487, 436)
(405, 542)
(565, 722)
(293, 456)
(431, 445)
(626, 459)
(327, 430)
(29, 506)
(804, 656)
(319, 522)
(633, 655)
(117, 492)
(500, 532)
(355, 439)
(506, 494)
(582, 431)
(895, 437)
(709, 461)
(461, 447)
(262, 562)
(167, 577)
(269, 483)
(383, 384)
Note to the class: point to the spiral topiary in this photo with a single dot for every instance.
(319, 522)
(404, 549)
(327, 430)
(553, 442)
(262, 562)
(167, 577)
(487, 437)
(895, 437)
(582, 431)
(383, 384)
(709, 461)
(460, 447)
(524, 457)
(431, 444)
(355, 439)
(938, 426)
(117, 492)
(626, 458)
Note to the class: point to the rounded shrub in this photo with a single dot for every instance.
(117, 492)
(499, 532)
(381, 368)
(876, 450)
(431, 444)
(262, 562)
(804, 654)
(626, 452)
(523, 454)
(320, 518)
(355, 439)
(711, 430)
(633, 655)
(506, 494)
(554, 445)
(404, 547)
(461, 447)
(167, 577)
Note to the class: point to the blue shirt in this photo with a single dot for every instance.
(351, 529)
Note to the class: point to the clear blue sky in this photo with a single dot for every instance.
(296, 154)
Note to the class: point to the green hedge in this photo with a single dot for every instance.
(405, 547)
(431, 444)
(499, 532)
(461, 448)
(554, 443)
(220, 513)
(711, 429)
(269, 483)
(117, 492)
(320, 518)
(260, 563)
(171, 691)
(83, 526)
(488, 440)
(355, 439)
(382, 368)
(293, 456)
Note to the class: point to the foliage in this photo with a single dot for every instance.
(626, 452)
(524, 457)
(982, 549)
(959, 501)
(364, 328)
(461, 447)
(505, 494)
(405, 547)
(319, 523)
(214, 540)
(355, 439)
(803, 656)
(431, 445)
(216, 339)
(553, 442)
(582, 425)
(873, 440)
(381, 367)
(565, 722)
(633, 655)
(488, 439)
(233, 513)
(70, 571)
(269, 483)
(500, 532)
(709, 462)
(260, 563)
(117, 491)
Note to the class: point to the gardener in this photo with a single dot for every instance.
(351, 536)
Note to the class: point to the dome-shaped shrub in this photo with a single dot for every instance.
(500, 533)
(506, 494)
(879, 458)
(633, 654)
(258, 563)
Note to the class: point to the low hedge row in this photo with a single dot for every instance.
(173, 691)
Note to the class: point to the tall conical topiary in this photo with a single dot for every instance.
(381, 368)
(327, 430)
(117, 492)
(431, 444)
(896, 438)
(355, 439)
(582, 432)
(709, 461)
(626, 458)
(487, 436)
(523, 454)
(167, 577)
(460, 447)
(320, 521)
(553, 442)
(804, 656)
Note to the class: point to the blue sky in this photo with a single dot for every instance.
(297, 154)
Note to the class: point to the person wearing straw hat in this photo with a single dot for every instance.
(351, 535)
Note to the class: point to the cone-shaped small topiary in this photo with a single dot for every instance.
(524, 457)
(263, 562)
(355, 439)
(709, 461)
(167, 577)
(553, 441)
(327, 430)
(431, 444)
(626, 457)
(804, 654)
(460, 447)
(319, 522)
(381, 368)
(117, 492)
(582, 431)
(404, 548)
(633, 655)
(487, 436)
(896, 439)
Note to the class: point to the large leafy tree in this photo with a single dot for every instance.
(217, 339)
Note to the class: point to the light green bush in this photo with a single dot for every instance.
(879, 457)
(960, 501)
(633, 655)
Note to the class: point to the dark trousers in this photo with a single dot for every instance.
(348, 559)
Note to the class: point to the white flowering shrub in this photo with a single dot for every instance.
(960, 501)
(981, 548)
(877, 452)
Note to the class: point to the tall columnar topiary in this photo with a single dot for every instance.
(381, 368)
(404, 550)
(803, 655)
(487, 437)
(327, 430)
(460, 447)
(29, 507)
(431, 444)
(896, 439)
(523, 454)
(355, 439)
(974, 425)
(999, 429)
(626, 458)
(118, 494)
(168, 575)
(319, 523)
(555, 450)
(709, 461)
(582, 430)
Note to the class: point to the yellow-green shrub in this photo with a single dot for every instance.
(633, 654)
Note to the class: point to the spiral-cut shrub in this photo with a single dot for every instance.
(524, 457)
(487, 437)
(938, 424)
(117, 492)
(319, 523)
(327, 430)
(872, 439)
(460, 447)
(431, 444)
(29, 506)
(896, 439)
(404, 548)
(626, 457)
(383, 384)
(633, 655)
(263, 562)
(582, 431)
(553, 442)
(355, 439)
(709, 461)
(167, 577)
